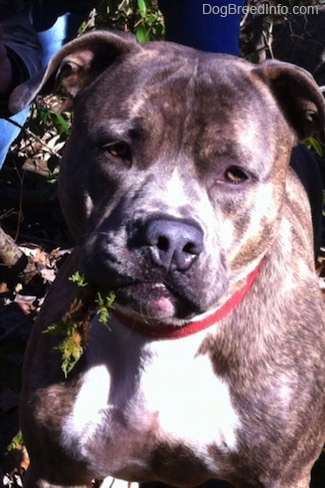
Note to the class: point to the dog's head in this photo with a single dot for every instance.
(175, 172)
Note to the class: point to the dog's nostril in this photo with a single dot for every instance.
(163, 243)
(190, 248)
(173, 243)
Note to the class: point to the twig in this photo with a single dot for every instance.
(31, 134)
(20, 210)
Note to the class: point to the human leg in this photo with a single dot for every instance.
(9, 131)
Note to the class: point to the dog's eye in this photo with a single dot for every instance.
(235, 175)
(118, 149)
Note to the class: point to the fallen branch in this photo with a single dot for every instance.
(10, 254)
(14, 263)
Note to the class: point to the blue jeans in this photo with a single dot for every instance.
(9, 132)
(53, 32)
(51, 40)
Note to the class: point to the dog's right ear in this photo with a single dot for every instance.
(74, 66)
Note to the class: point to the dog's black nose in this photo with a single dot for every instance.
(173, 244)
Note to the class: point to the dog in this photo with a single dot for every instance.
(177, 188)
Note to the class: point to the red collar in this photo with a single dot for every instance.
(189, 328)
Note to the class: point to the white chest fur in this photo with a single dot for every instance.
(137, 389)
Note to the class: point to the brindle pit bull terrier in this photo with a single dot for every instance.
(176, 186)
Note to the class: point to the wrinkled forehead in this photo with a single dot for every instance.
(183, 90)
(178, 78)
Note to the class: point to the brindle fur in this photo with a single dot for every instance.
(187, 116)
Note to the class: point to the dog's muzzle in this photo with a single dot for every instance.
(154, 266)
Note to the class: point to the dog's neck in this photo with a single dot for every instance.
(168, 331)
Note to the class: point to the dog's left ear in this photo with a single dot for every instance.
(298, 96)
(74, 66)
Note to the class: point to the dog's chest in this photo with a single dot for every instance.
(137, 396)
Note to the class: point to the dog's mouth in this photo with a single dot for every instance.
(154, 301)
(149, 291)
(155, 306)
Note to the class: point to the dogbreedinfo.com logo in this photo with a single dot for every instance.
(262, 9)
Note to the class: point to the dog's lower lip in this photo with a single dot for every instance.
(154, 300)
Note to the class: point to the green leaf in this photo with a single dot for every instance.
(142, 34)
(104, 304)
(73, 326)
(64, 125)
(142, 8)
(71, 351)
(16, 442)
(79, 279)
(313, 143)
